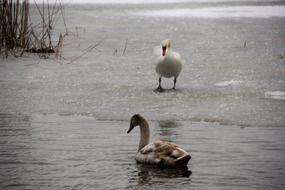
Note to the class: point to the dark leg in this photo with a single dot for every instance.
(159, 88)
(174, 83)
(159, 85)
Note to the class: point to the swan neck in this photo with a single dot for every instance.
(144, 140)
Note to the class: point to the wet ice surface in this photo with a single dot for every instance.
(63, 126)
(221, 12)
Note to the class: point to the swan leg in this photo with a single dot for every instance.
(174, 83)
(159, 85)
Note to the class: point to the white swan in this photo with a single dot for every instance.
(162, 153)
(169, 64)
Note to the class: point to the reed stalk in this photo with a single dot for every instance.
(18, 33)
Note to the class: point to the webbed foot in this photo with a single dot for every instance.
(159, 89)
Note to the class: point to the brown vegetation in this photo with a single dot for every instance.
(18, 34)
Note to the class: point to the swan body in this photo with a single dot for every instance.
(161, 153)
(169, 63)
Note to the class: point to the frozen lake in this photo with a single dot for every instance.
(63, 126)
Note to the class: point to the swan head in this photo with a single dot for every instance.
(165, 44)
(135, 121)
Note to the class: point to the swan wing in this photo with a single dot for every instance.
(167, 149)
(175, 55)
(164, 152)
(171, 155)
(169, 65)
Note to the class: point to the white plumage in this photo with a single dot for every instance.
(169, 63)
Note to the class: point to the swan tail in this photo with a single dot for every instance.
(183, 160)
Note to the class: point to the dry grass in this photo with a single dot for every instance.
(19, 34)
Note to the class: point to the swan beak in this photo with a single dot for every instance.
(163, 51)
(130, 129)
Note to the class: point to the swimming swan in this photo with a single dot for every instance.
(169, 64)
(162, 153)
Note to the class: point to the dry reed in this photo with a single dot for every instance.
(20, 34)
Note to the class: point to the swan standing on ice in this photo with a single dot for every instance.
(169, 64)
(161, 153)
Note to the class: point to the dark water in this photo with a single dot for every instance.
(63, 126)
(78, 152)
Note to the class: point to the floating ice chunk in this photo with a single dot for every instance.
(30, 77)
(277, 95)
(228, 83)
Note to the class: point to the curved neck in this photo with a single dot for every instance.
(144, 140)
